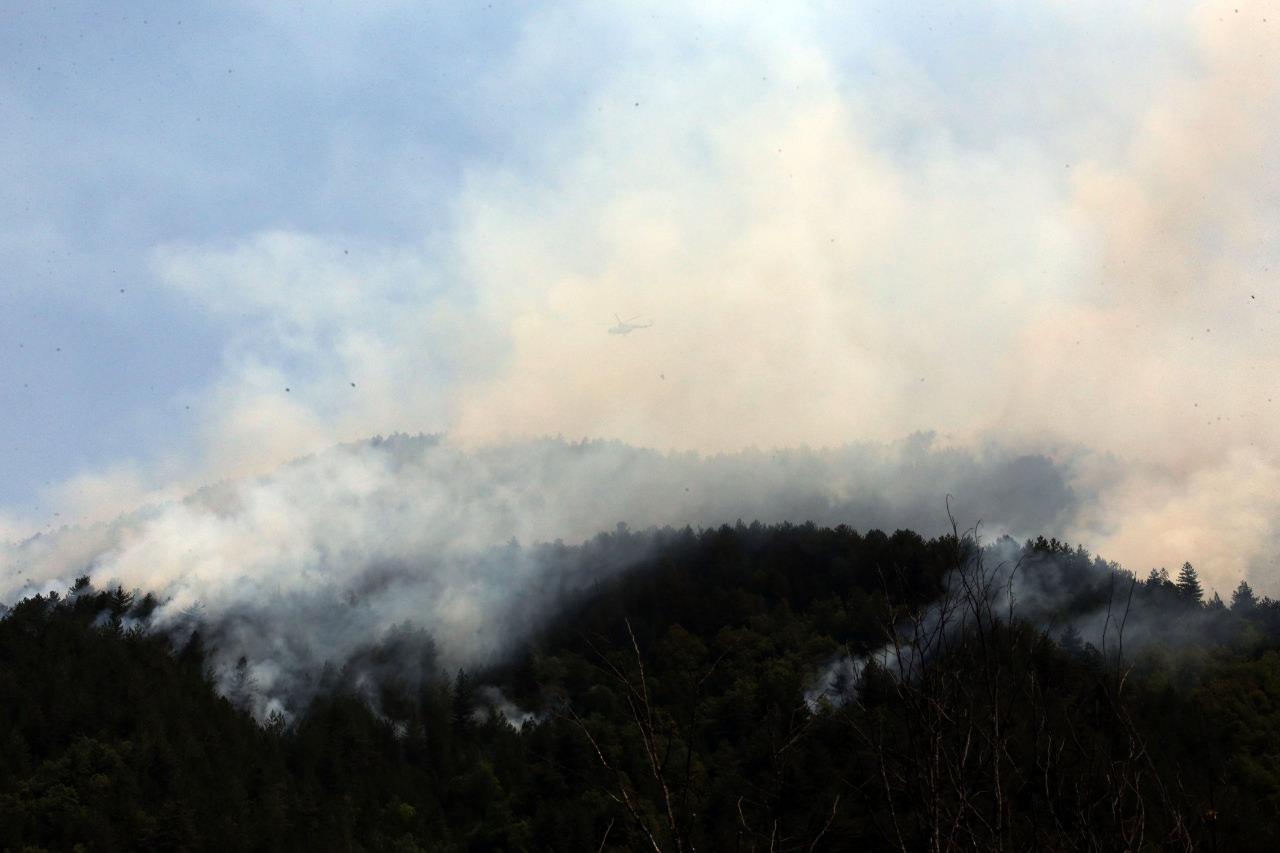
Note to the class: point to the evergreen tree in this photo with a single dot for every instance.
(660, 701)
(463, 704)
(1189, 588)
(1243, 600)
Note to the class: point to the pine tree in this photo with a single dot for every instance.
(1189, 588)
(463, 701)
(1243, 600)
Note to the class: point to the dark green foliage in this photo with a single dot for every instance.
(1189, 589)
(112, 739)
(1243, 598)
(671, 715)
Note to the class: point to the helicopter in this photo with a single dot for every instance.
(627, 327)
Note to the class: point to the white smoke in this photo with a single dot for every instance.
(826, 262)
(1106, 606)
(1071, 283)
(491, 700)
(338, 552)
(835, 683)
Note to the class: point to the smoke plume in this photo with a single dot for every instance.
(334, 554)
(1067, 279)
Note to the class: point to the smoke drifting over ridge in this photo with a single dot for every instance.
(321, 560)
(1107, 612)
(1076, 294)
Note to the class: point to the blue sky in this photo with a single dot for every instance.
(992, 220)
(131, 127)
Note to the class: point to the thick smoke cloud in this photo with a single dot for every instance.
(831, 250)
(335, 555)
(1068, 279)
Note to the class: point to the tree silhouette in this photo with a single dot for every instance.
(1189, 588)
(1243, 600)
(667, 711)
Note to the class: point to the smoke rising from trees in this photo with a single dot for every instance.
(337, 553)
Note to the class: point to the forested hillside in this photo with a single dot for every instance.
(741, 688)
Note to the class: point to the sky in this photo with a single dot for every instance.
(235, 234)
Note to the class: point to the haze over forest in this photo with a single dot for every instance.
(564, 425)
(241, 235)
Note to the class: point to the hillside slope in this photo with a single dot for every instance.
(738, 688)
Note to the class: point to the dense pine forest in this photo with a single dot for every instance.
(743, 688)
